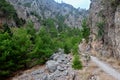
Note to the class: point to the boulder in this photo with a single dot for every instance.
(57, 68)
(51, 65)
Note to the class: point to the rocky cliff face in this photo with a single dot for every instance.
(104, 20)
(30, 9)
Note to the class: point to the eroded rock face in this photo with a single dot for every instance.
(57, 68)
(109, 13)
(117, 31)
(49, 9)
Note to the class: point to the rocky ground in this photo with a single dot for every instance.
(57, 68)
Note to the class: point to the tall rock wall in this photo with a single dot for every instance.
(104, 17)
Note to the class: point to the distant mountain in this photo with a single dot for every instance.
(37, 10)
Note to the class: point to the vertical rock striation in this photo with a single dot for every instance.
(108, 13)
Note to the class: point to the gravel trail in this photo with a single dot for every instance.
(106, 68)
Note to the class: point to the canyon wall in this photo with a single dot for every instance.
(104, 22)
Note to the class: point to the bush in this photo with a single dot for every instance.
(77, 64)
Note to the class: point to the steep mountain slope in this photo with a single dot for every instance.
(31, 9)
(8, 15)
(104, 21)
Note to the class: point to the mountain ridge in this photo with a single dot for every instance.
(48, 9)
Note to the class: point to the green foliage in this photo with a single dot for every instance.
(8, 12)
(100, 26)
(30, 28)
(7, 9)
(6, 29)
(43, 47)
(49, 23)
(50, 27)
(5, 54)
(75, 49)
(115, 3)
(21, 41)
(85, 30)
(68, 45)
(36, 15)
(24, 47)
(60, 22)
(19, 21)
(13, 51)
(77, 64)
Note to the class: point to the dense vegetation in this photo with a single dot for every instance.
(24, 47)
(7, 9)
(8, 12)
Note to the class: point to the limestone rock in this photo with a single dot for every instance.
(49, 9)
(51, 65)
(107, 12)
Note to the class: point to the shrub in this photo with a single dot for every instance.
(77, 64)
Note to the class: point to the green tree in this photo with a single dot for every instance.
(85, 30)
(6, 62)
(14, 51)
(31, 31)
(43, 47)
(67, 46)
(7, 9)
(22, 46)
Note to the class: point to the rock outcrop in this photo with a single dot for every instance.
(31, 9)
(57, 68)
(104, 19)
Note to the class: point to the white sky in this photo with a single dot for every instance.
(77, 3)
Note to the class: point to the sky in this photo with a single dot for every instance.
(77, 3)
